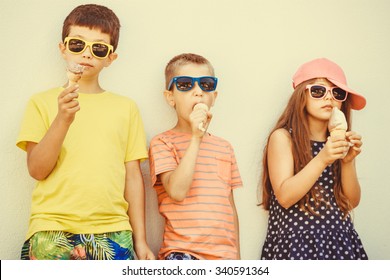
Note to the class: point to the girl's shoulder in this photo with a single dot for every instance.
(280, 135)
(280, 148)
(280, 141)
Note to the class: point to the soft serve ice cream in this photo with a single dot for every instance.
(205, 107)
(337, 124)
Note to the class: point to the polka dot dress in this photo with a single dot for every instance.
(294, 234)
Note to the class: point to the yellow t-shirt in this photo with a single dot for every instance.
(85, 191)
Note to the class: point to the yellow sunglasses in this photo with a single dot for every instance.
(99, 50)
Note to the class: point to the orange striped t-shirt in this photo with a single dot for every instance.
(203, 223)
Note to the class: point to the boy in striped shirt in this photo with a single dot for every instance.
(194, 172)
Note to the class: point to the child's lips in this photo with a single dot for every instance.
(86, 65)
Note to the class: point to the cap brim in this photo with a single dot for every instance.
(358, 102)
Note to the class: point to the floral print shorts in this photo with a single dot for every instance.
(59, 245)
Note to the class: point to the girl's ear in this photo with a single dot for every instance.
(169, 97)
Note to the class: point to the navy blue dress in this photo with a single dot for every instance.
(294, 234)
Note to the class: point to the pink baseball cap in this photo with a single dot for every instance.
(324, 68)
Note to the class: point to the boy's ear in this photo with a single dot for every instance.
(111, 57)
(62, 48)
(169, 97)
(215, 93)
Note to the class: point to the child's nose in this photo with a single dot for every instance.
(197, 90)
(87, 52)
(328, 94)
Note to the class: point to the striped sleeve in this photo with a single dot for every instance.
(236, 177)
(162, 157)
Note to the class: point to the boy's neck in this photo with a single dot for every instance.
(181, 129)
(185, 129)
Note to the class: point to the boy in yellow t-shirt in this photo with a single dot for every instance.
(84, 145)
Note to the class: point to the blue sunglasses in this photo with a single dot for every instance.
(185, 83)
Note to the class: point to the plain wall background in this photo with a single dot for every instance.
(255, 47)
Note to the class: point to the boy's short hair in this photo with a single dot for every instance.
(95, 17)
(181, 60)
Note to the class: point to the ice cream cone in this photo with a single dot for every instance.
(205, 107)
(337, 125)
(338, 133)
(74, 72)
(73, 78)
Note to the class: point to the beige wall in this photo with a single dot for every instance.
(255, 47)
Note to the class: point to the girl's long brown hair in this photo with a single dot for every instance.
(295, 120)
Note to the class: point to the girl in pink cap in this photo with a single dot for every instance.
(309, 179)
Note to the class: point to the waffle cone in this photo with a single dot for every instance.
(73, 77)
(338, 133)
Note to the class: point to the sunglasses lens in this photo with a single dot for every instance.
(317, 91)
(184, 83)
(207, 84)
(100, 50)
(339, 94)
(76, 46)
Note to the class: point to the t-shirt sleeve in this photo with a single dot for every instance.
(162, 157)
(34, 125)
(136, 143)
(236, 177)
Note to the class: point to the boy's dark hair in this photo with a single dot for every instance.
(95, 17)
(184, 59)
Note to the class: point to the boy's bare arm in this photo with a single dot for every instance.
(178, 182)
(236, 224)
(42, 157)
(135, 196)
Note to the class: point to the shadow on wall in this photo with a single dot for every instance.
(154, 221)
